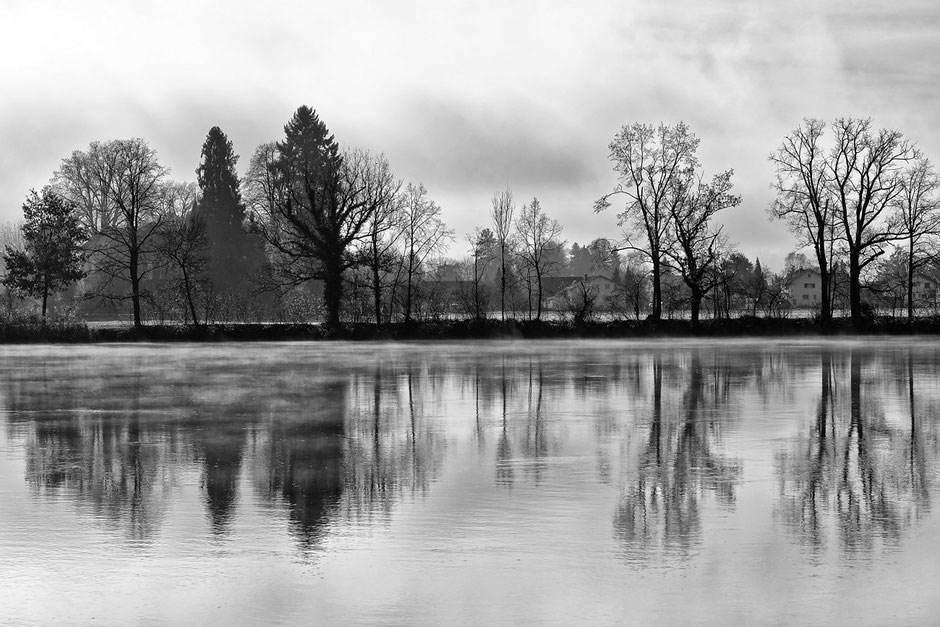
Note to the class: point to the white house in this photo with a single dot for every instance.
(805, 288)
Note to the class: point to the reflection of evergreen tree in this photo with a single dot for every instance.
(855, 475)
(220, 446)
(306, 461)
(661, 506)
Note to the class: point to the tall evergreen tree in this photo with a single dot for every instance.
(322, 207)
(221, 209)
(52, 257)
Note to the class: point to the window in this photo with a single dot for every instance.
(805, 296)
(809, 286)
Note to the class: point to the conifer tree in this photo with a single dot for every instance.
(221, 209)
(323, 205)
(52, 257)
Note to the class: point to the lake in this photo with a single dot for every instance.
(591, 482)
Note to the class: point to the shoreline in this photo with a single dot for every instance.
(743, 327)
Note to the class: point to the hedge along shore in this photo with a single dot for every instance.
(81, 333)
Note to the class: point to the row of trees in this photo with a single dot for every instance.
(308, 211)
(325, 213)
(854, 194)
(670, 208)
(848, 199)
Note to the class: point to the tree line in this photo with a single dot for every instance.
(314, 230)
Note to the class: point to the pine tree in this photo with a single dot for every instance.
(221, 209)
(309, 151)
(52, 258)
(758, 288)
(322, 208)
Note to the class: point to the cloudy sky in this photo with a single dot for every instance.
(466, 97)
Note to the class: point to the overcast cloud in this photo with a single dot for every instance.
(466, 97)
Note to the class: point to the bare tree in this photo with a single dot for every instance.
(184, 243)
(866, 172)
(804, 199)
(700, 245)
(11, 237)
(502, 215)
(383, 231)
(126, 179)
(581, 301)
(537, 236)
(261, 187)
(482, 252)
(632, 292)
(917, 216)
(648, 162)
(85, 178)
(423, 234)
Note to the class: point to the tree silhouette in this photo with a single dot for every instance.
(129, 179)
(537, 235)
(323, 204)
(804, 200)
(648, 162)
(52, 257)
(855, 473)
(221, 209)
(660, 510)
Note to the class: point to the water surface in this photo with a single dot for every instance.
(434, 483)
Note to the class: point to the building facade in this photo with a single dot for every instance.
(805, 288)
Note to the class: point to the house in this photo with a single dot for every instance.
(805, 288)
(924, 289)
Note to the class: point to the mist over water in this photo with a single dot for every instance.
(501, 482)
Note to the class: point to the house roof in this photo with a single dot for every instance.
(802, 272)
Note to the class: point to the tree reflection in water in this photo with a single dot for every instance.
(857, 477)
(394, 446)
(305, 461)
(220, 450)
(660, 509)
(332, 446)
(113, 460)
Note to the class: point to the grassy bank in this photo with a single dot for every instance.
(445, 330)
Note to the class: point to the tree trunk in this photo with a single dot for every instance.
(825, 290)
(502, 284)
(910, 280)
(657, 305)
(135, 286)
(333, 293)
(528, 285)
(476, 288)
(538, 281)
(855, 288)
(376, 288)
(189, 297)
(408, 289)
(695, 303)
